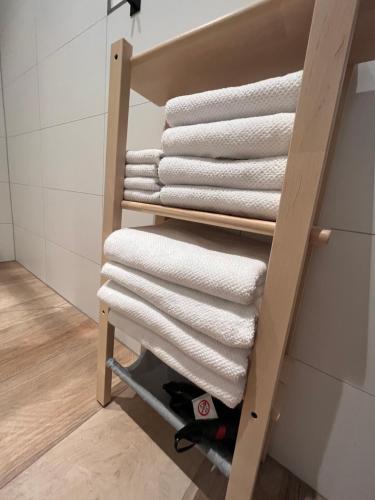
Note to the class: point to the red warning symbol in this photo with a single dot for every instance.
(204, 407)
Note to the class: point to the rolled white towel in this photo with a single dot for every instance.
(141, 170)
(260, 173)
(227, 322)
(142, 183)
(229, 362)
(152, 197)
(239, 202)
(275, 95)
(244, 138)
(228, 392)
(148, 156)
(204, 258)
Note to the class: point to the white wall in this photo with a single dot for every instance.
(55, 57)
(325, 433)
(6, 226)
(54, 62)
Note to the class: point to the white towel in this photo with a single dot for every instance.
(204, 258)
(227, 322)
(228, 392)
(149, 156)
(229, 362)
(142, 183)
(141, 170)
(240, 202)
(142, 196)
(260, 173)
(257, 137)
(275, 95)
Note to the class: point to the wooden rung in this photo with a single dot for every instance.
(318, 236)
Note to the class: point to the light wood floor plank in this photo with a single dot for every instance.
(58, 443)
(125, 451)
(47, 369)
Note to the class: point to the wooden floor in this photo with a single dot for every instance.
(47, 369)
(57, 443)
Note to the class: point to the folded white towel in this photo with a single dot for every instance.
(204, 258)
(149, 156)
(228, 392)
(142, 196)
(257, 137)
(141, 170)
(229, 362)
(142, 183)
(240, 202)
(227, 322)
(260, 173)
(275, 95)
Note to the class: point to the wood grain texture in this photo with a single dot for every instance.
(266, 39)
(327, 55)
(118, 109)
(47, 369)
(125, 451)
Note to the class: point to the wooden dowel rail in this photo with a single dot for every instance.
(319, 236)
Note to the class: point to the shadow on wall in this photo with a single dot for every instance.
(136, 23)
(349, 194)
(321, 434)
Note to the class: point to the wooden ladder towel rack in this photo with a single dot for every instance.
(270, 38)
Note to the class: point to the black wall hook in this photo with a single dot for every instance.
(135, 6)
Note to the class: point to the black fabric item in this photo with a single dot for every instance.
(182, 395)
(222, 430)
(207, 432)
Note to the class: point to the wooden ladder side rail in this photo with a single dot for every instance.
(118, 109)
(327, 54)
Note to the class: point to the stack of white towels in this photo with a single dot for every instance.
(226, 150)
(189, 293)
(142, 181)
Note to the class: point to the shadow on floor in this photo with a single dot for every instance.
(274, 481)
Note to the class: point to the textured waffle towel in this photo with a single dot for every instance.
(150, 156)
(245, 138)
(254, 204)
(142, 196)
(227, 322)
(196, 256)
(228, 392)
(141, 170)
(142, 184)
(276, 95)
(229, 362)
(261, 173)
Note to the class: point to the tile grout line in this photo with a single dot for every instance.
(52, 188)
(7, 157)
(44, 257)
(53, 290)
(351, 231)
(20, 75)
(60, 124)
(58, 245)
(338, 379)
(71, 39)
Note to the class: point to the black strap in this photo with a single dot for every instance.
(181, 449)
